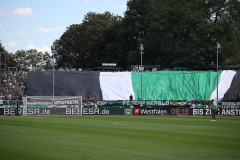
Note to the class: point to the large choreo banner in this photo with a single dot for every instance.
(157, 85)
(107, 93)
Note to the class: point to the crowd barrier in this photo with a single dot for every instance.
(93, 107)
(117, 104)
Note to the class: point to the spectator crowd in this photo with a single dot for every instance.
(12, 87)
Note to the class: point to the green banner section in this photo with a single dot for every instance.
(126, 104)
(149, 104)
(12, 106)
(174, 85)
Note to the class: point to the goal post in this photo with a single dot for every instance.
(74, 102)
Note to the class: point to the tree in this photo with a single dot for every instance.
(10, 60)
(88, 44)
(32, 59)
(226, 14)
(1, 47)
(46, 62)
(177, 39)
(2, 55)
(183, 33)
(133, 30)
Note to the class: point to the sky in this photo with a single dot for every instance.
(36, 24)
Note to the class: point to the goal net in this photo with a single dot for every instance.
(52, 102)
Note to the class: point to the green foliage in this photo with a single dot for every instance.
(174, 33)
(10, 60)
(89, 44)
(27, 59)
(182, 33)
(32, 59)
(1, 47)
(9, 57)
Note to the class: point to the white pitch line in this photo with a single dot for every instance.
(120, 123)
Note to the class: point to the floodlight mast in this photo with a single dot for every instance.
(218, 48)
(141, 49)
(53, 63)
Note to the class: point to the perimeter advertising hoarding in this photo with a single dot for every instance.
(117, 111)
(61, 111)
(225, 112)
(162, 111)
(101, 111)
(180, 111)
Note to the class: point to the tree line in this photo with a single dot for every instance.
(174, 33)
(25, 60)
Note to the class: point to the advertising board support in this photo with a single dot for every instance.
(16, 112)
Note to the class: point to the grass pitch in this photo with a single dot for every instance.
(119, 137)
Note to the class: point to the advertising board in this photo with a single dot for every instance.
(117, 111)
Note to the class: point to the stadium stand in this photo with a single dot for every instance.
(119, 85)
(12, 87)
